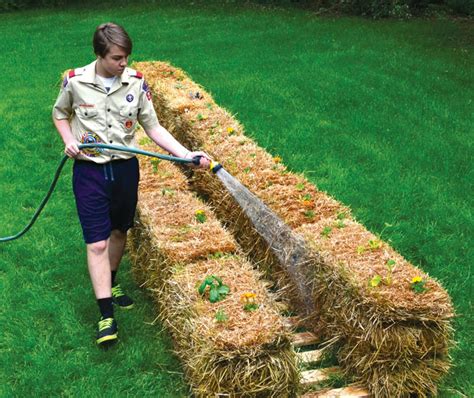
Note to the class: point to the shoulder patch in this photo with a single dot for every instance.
(137, 74)
(70, 74)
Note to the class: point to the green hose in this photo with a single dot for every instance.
(38, 211)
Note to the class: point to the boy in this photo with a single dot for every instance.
(101, 103)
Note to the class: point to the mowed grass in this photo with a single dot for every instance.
(377, 113)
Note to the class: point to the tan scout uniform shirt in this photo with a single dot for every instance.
(100, 117)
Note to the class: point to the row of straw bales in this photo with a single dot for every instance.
(392, 339)
(172, 251)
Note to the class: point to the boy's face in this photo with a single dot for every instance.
(114, 62)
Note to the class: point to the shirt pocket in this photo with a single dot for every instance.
(128, 118)
(129, 112)
(86, 113)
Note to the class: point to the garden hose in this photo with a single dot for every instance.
(194, 161)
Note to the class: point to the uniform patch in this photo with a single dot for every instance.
(128, 123)
(145, 86)
(91, 138)
(65, 82)
(129, 97)
(148, 95)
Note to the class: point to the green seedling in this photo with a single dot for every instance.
(221, 316)
(375, 244)
(418, 285)
(341, 215)
(155, 163)
(217, 290)
(326, 231)
(391, 264)
(200, 216)
(144, 141)
(375, 281)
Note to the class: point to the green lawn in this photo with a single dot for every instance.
(377, 113)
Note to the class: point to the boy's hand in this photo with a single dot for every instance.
(204, 161)
(71, 149)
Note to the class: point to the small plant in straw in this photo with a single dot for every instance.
(277, 159)
(390, 264)
(217, 290)
(418, 285)
(326, 231)
(200, 216)
(155, 163)
(221, 316)
(375, 281)
(249, 302)
(375, 244)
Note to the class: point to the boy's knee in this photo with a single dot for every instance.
(98, 247)
(117, 234)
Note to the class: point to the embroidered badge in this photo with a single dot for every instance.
(91, 138)
(148, 95)
(129, 97)
(65, 82)
(145, 86)
(128, 123)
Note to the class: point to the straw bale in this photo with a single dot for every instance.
(393, 339)
(248, 355)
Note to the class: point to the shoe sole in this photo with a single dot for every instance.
(107, 339)
(123, 307)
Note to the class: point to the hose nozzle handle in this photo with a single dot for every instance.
(197, 160)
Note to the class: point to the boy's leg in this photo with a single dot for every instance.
(117, 242)
(99, 268)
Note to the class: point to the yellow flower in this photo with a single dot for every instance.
(417, 279)
(199, 212)
(277, 159)
(230, 130)
(248, 298)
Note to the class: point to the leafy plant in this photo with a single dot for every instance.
(248, 300)
(326, 231)
(375, 281)
(221, 316)
(155, 162)
(200, 216)
(300, 186)
(217, 290)
(391, 264)
(340, 224)
(309, 214)
(418, 285)
(375, 244)
(341, 215)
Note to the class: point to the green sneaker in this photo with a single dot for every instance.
(107, 331)
(120, 298)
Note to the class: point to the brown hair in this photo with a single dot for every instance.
(108, 34)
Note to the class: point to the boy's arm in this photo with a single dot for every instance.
(62, 111)
(165, 140)
(64, 129)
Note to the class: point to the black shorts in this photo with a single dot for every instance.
(106, 196)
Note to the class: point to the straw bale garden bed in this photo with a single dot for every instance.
(388, 323)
